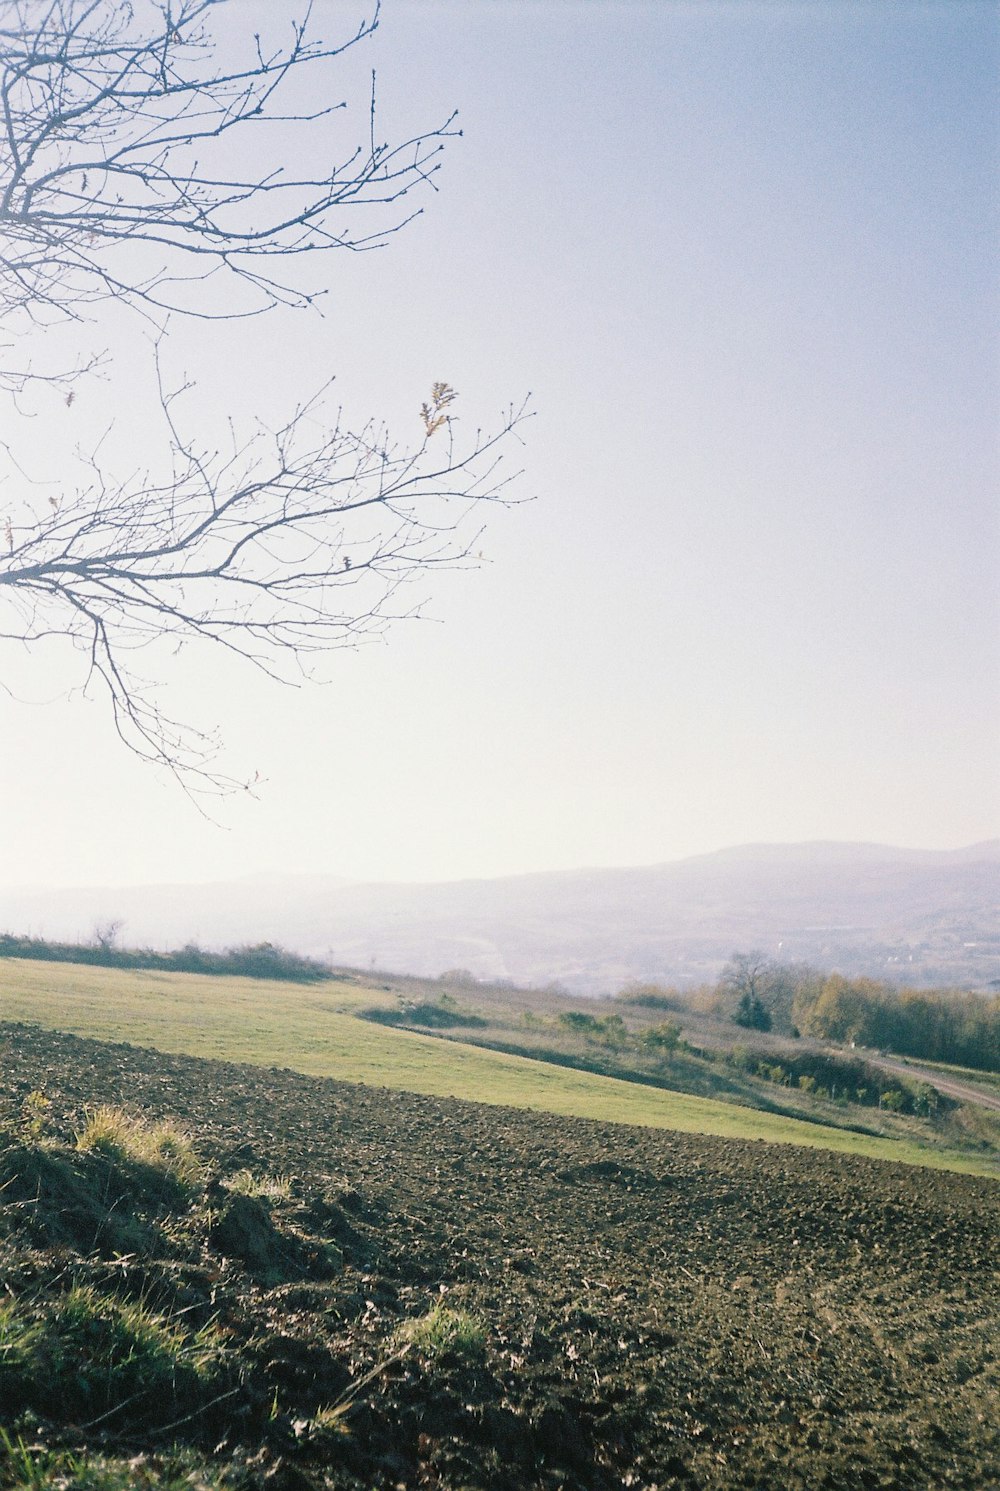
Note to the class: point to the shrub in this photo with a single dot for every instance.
(257, 960)
(773, 1072)
(652, 997)
(842, 1080)
(932, 1024)
(446, 1014)
(577, 1020)
(664, 1037)
(612, 1030)
(752, 1013)
(926, 1099)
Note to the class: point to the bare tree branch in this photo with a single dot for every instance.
(292, 544)
(116, 122)
(120, 178)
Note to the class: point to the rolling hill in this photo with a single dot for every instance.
(915, 916)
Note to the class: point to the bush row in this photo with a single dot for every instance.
(842, 1080)
(262, 960)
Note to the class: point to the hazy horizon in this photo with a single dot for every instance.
(991, 848)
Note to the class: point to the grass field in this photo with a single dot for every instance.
(314, 1029)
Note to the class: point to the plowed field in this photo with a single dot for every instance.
(653, 1309)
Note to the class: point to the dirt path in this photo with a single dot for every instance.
(962, 1092)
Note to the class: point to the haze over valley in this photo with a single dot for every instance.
(913, 917)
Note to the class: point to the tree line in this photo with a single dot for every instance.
(259, 960)
(758, 993)
(933, 1025)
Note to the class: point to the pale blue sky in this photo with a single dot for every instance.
(744, 256)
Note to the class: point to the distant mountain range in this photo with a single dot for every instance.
(915, 916)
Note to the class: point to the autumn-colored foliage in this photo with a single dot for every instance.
(934, 1025)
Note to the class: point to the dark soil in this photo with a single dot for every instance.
(660, 1310)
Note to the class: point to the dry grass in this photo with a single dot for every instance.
(163, 1146)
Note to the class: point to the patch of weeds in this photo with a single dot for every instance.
(261, 1187)
(119, 1136)
(34, 1467)
(20, 1340)
(245, 1230)
(445, 1332)
(35, 1109)
(49, 1195)
(331, 1422)
(25, 1467)
(88, 1355)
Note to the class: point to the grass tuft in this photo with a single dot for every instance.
(34, 1467)
(444, 1332)
(88, 1355)
(35, 1109)
(121, 1137)
(261, 1187)
(331, 1422)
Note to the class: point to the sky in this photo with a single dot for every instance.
(743, 258)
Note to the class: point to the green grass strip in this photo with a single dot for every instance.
(312, 1030)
